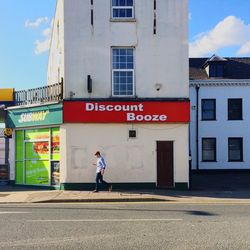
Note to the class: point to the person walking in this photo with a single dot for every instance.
(100, 168)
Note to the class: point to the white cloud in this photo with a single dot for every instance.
(43, 45)
(244, 49)
(231, 31)
(189, 16)
(36, 23)
(47, 32)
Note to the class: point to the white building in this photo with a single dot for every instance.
(125, 70)
(220, 121)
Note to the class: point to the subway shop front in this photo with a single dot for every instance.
(36, 145)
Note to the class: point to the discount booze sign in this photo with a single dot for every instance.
(126, 112)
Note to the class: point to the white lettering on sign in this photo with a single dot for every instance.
(33, 116)
(111, 107)
(156, 118)
(130, 108)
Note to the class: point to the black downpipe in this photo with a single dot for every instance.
(197, 87)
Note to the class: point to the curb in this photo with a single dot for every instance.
(103, 200)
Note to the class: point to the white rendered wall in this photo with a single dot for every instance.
(128, 160)
(160, 58)
(55, 69)
(221, 128)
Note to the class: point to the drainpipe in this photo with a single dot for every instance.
(197, 87)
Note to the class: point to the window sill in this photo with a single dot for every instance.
(208, 161)
(123, 97)
(235, 119)
(207, 120)
(236, 161)
(123, 20)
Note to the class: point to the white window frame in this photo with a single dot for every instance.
(123, 7)
(133, 77)
(123, 70)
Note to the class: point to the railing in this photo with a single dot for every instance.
(48, 93)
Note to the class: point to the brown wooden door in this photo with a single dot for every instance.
(165, 166)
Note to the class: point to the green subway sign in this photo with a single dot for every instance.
(35, 116)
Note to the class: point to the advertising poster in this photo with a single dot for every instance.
(37, 134)
(37, 162)
(37, 172)
(55, 144)
(37, 150)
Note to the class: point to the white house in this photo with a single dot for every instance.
(220, 121)
(126, 92)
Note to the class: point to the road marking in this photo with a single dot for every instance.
(13, 212)
(106, 220)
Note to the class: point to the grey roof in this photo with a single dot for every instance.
(234, 68)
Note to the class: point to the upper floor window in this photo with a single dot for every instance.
(122, 71)
(235, 109)
(122, 9)
(208, 109)
(216, 70)
(235, 149)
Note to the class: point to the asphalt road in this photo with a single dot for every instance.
(125, 226)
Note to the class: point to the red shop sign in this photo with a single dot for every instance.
(126, 112)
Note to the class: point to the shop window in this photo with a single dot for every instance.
(38, 156)
(208, 109)
(122, 9)
(235, 109)
(122, 71)
(235, 149)
(19, 157)
(55, 173)
(208, 149)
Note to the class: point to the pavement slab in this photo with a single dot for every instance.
(59, 196)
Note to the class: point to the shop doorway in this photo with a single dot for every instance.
(165, 164)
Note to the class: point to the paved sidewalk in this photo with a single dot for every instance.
(25, 195)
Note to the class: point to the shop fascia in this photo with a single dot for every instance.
(35, 116)
(175, 111)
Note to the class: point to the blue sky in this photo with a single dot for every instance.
(215, 26)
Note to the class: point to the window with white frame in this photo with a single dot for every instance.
(122, 9)
(122, 71)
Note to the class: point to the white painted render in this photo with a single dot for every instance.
(221, 128)
(55, 69)
(86, 50)
(160, 58)
(128, 160)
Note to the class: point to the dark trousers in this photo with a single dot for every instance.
(98, 180)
